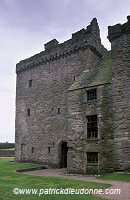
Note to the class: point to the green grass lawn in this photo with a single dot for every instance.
(116, 177)
(9, 180)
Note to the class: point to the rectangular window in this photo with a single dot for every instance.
(59, 110)
(32, 149)
(92, 126)
(49, 149)
(28, 112)
(30, 83)
(92, 157)
(23, 149)
(91, 95)
(74, 78)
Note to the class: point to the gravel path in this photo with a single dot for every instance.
(123, 186)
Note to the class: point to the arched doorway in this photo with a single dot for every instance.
(63, 154)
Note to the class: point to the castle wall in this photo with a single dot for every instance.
(119, 36)
(52, 71)
(7, 152)
(45, 127)
(78, 142)
(52, 121)
(112, 146)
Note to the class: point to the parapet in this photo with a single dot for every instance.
(93, 28)
(51, 44)
(118, 30)
(86, 38)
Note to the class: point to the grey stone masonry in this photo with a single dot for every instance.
(72, 103)
(7, 152)
(82, 40)
(79, 108)
(119, 35)
(41, 110)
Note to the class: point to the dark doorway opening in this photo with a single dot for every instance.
(63, 155)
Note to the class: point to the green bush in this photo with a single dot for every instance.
(7, 145)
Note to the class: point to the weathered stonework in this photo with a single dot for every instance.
(120, 39)
(6, 152)
(52, 106)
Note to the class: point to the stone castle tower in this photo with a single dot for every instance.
(72, 103)
(119, 36)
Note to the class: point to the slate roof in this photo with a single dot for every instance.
(100, 73)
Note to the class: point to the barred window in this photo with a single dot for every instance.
(92, 126)
(91, 95)
(92, 157)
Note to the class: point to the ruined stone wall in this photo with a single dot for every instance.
(7, 152)
(119, 36)
(78, 143)
(52, 72)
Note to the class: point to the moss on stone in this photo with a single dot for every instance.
(101, 73)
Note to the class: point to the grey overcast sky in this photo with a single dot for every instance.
(26, 25)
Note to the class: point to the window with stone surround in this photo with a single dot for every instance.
(23, 149)
(92, 126)
(92, 157)
(91, 95)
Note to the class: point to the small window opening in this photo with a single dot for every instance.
(92, 157)
(59, 110)
(28, 112)
(74, 78)
(49, 149)
(32, 149)
(30, 83)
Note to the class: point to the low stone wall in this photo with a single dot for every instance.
(7, 152)
(30, 169)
